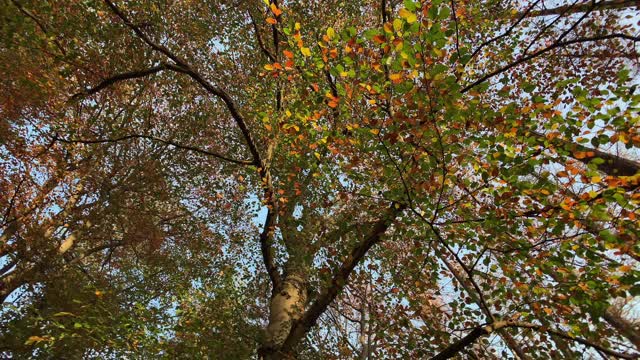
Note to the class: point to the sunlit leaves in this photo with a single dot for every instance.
(351, 114)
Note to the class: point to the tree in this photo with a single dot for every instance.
(319, 179)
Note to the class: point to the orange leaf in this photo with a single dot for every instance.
(333, 103)
(579, 155)
(288, 54)
(275, 10)
(625, 268)
(396, 78)
(272, 21)
(379, 39)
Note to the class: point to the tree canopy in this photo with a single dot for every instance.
(319, 179)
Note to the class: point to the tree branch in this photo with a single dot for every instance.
(585, 6)
(183, 67)
(153, 138)
(479, 331)
(613, 165)
(263, 168)
(341, 276)
(546, 50)
(507, 32)
(264, 49)
(40, 24)
(120, 77)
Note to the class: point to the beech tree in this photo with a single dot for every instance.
(319, 179)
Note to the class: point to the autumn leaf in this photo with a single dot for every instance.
(379, 39)
(395, 77)
(409, 16)
(331, 33)
(275, 10)
(185, 159)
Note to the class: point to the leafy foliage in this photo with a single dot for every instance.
(320, 179)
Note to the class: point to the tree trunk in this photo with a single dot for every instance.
(285, 307)
(623, 326)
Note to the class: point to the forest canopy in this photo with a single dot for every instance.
(319, 179)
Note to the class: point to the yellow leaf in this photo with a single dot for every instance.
(317, 155)
(268, 67)
(408, 16)
(297, 26)
(331, 33)
(397, 24)
(596, 179)
(375, 131)
(305, 51)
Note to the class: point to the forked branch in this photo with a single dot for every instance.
(480, 331)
